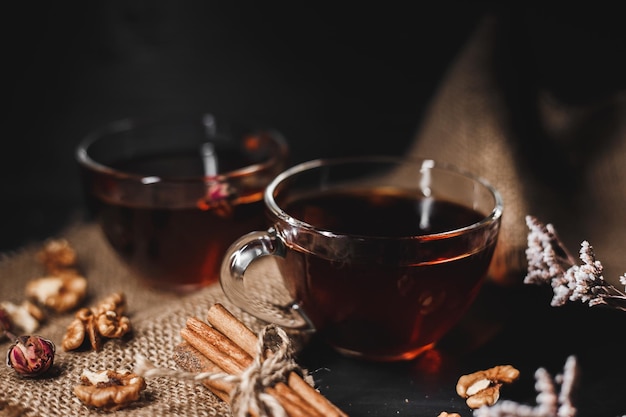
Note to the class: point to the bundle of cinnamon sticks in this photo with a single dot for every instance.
(224, 344)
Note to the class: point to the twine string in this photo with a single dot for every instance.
(271, 364)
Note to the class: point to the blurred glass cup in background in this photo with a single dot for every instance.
(171, 194)
(381, 256)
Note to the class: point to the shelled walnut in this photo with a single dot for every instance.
(483, 387)
(57, 255)
(109, 390)
(63, 288)
(60, 293)
(106, 320)
(26, 316)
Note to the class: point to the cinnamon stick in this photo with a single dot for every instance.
(215, 346)
(293, 403)
(230, 358)
(292, 406)
(191, 360)
(232, 328)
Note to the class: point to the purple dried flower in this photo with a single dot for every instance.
(550, 262)
(31, 356)
(547, 258)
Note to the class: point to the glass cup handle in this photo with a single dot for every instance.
(239, 256)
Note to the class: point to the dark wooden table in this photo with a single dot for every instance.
(515, 326)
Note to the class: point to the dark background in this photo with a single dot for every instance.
(335, 79)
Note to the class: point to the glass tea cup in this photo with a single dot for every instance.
(172, 194)
(381, 256)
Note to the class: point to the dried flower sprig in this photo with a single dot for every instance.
(549, 403)
(550, 262)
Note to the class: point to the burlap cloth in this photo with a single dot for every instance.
(580, 187)
(157, 318)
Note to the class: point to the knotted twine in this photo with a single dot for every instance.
(272, 363)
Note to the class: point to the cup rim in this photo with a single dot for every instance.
(275, 209)
(125, 124)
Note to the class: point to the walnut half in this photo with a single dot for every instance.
(27, 316)
(57, 255)
(109, 390)
(60, 293)
(63, 287)
(105, 320)
(483, 387)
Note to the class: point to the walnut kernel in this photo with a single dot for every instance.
(26, 316)
(104, 320)
(57, 255)
(488, 396)
(74, 335)
(61, 293)
(109, 390)
(112, 325)
(483, 387)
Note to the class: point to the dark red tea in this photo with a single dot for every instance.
(173, 239)
(392, 300)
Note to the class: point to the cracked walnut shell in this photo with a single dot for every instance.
(109, 390)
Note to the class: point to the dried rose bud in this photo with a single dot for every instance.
(31, 355)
